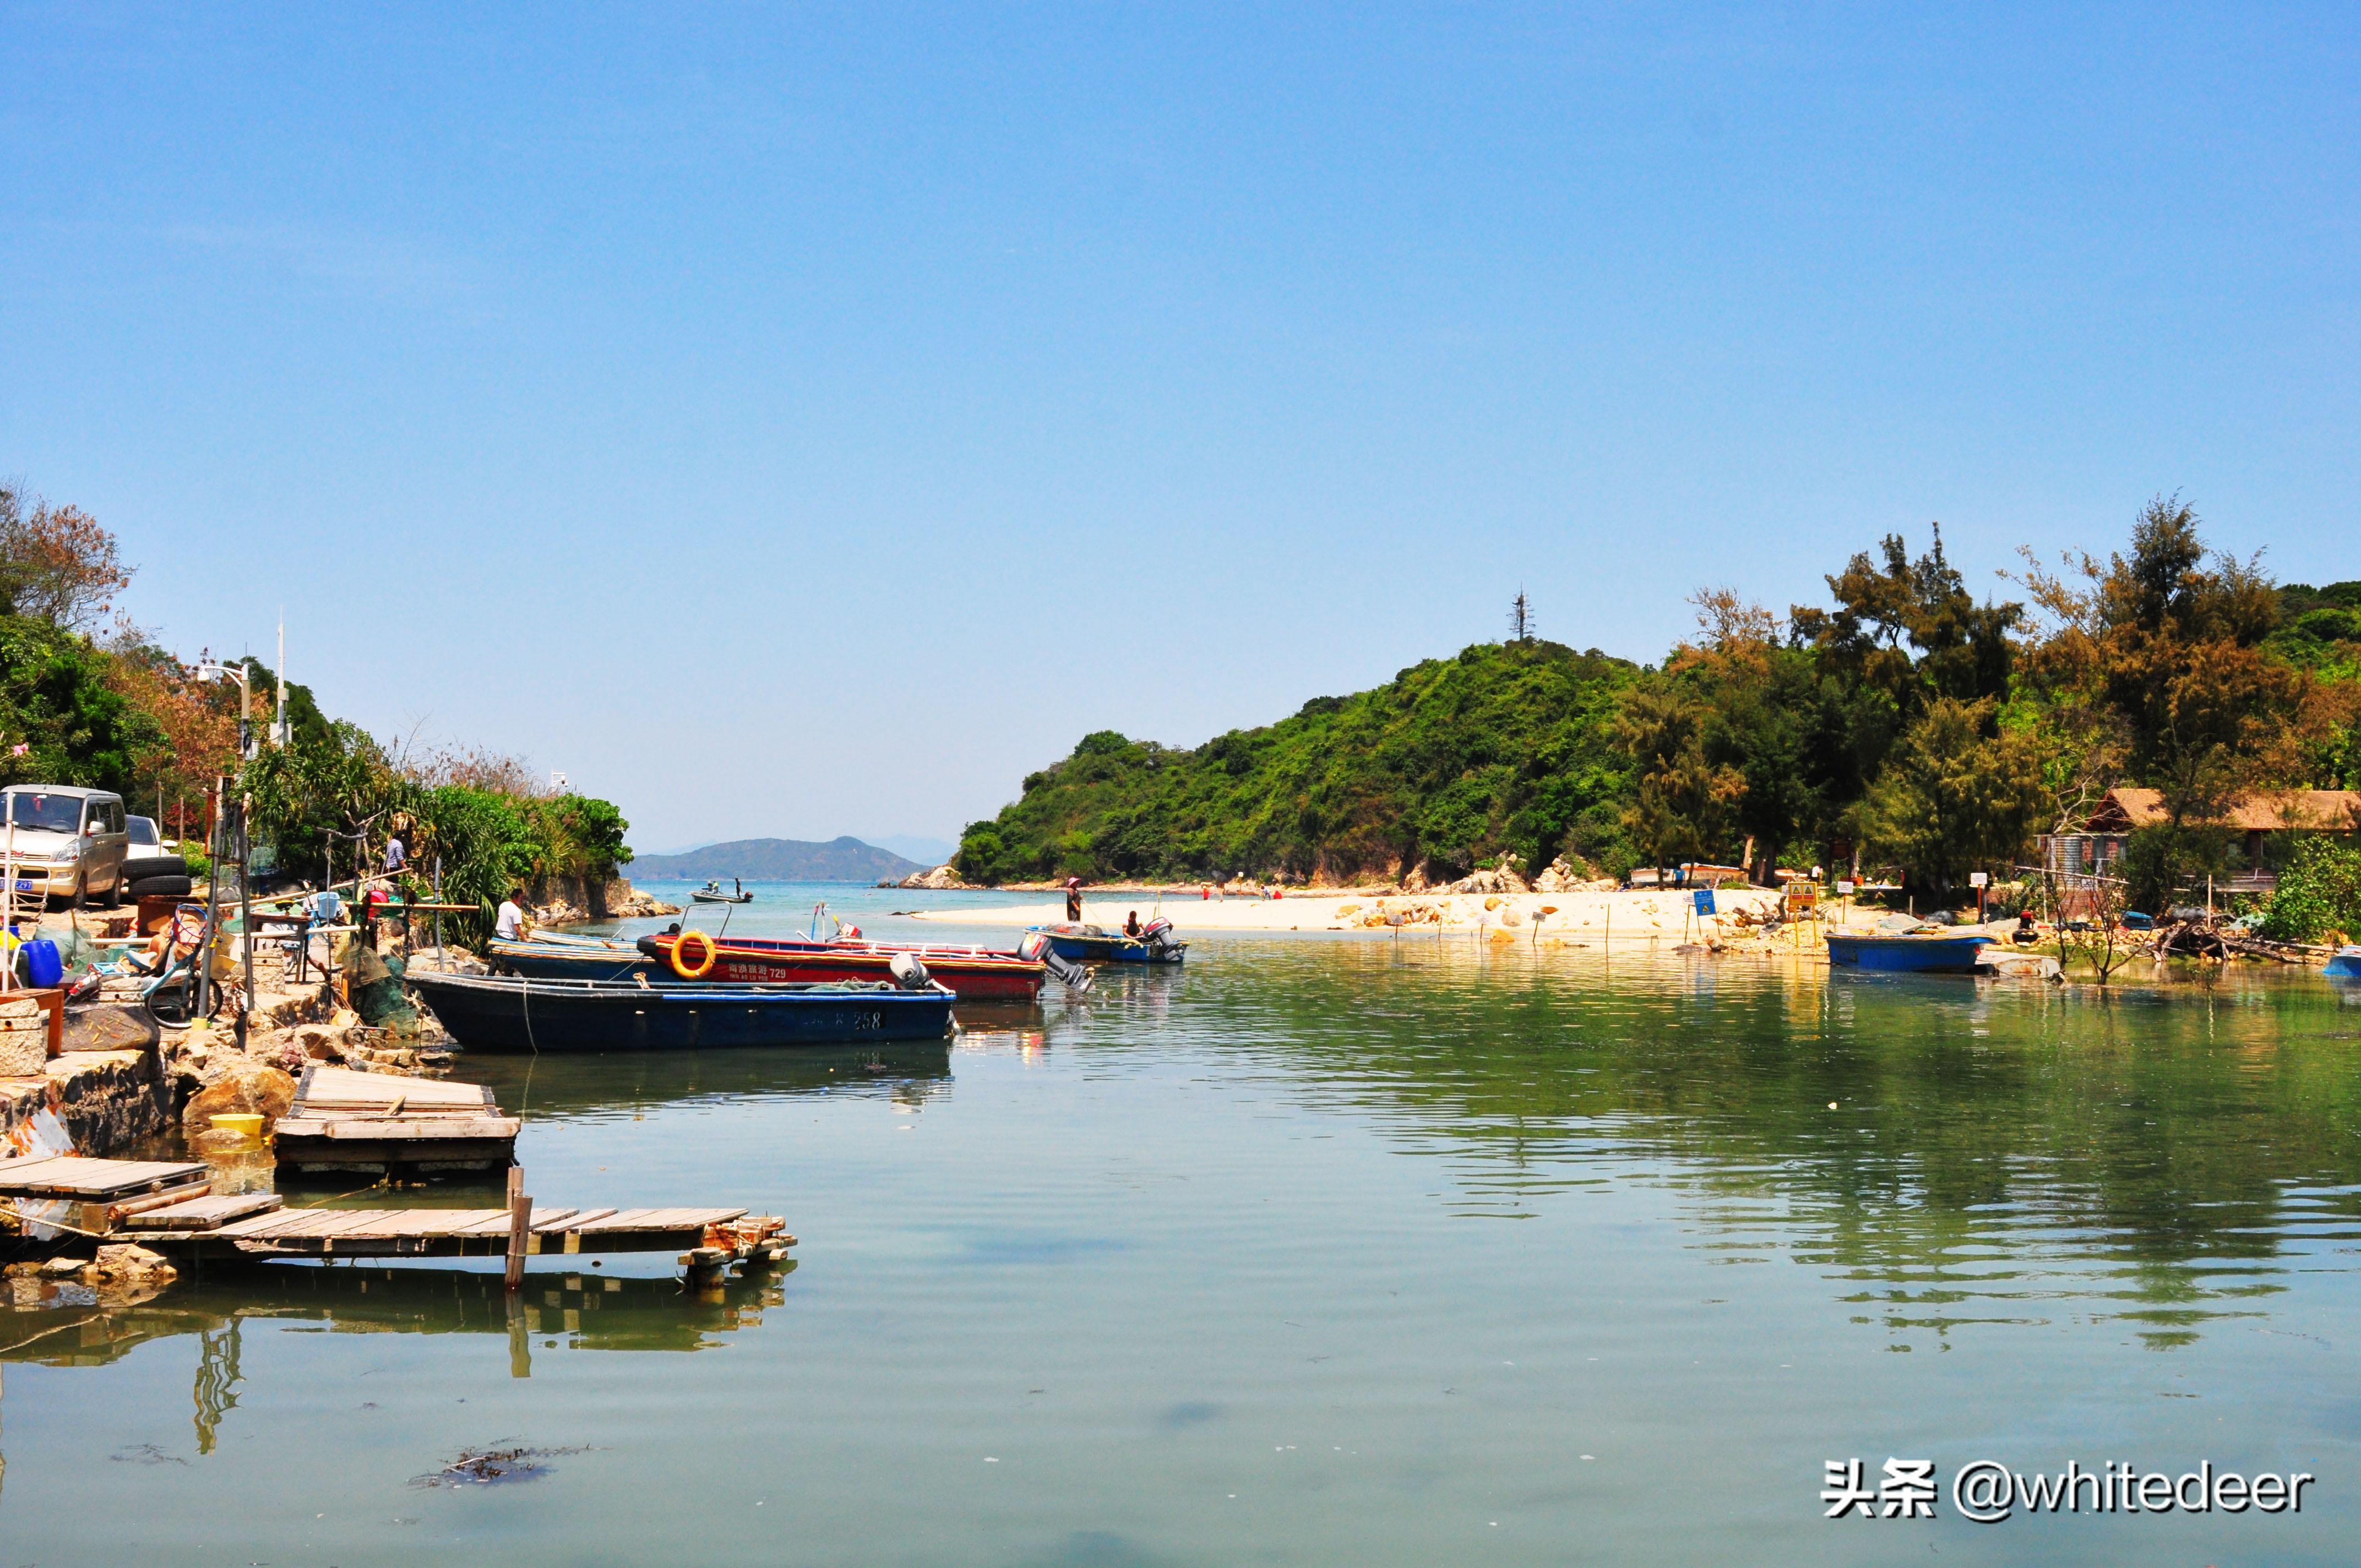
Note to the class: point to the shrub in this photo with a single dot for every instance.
(2320, 892)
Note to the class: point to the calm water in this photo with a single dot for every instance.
(1316, 1251)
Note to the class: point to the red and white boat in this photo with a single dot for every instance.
(972, 973)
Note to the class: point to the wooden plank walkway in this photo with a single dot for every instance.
(466, 1232)
(74, 1175)
(170, 1206)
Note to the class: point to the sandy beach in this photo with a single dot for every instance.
(1636, 915)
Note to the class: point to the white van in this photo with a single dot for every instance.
(66, 842)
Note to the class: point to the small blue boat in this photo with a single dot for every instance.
(2345, 964)
(505, 1012)
(1910, 954)
(1155, 944)
(552, 957)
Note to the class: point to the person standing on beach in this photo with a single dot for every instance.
(1074, 899)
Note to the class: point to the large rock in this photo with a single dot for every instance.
(245, 1086)
(133, 1264)
(110, 1028)
(1504, 879)
(624, 902)
(941, 877)
(1557, 877)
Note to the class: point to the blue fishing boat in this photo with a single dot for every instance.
(513, 1012)
(549, 956)
(1155, 944)
(1910, 953)
(2345, 964)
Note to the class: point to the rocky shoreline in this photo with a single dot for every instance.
(1559, 876)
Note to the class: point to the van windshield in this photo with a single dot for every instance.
(57, 812)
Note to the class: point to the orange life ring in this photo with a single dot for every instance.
(704, 966)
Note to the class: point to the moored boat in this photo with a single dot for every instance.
(971, 974)
(1156, 943)
(548, 955)
(505, 1012)
(2345, 964)
(1909, 953)
(711, 893)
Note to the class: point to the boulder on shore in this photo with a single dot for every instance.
(941, 877)
(246, 1086)
(1502, 879)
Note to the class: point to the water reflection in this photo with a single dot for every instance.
(1948, 1151)
(633, 1083)
(67, 1323)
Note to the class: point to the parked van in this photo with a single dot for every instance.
(67, 843)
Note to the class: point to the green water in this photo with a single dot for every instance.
(1315, 1251)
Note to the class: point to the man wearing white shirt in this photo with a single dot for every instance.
(509, 924)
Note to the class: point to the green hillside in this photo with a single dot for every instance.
(1507, 747)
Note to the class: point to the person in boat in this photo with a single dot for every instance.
(1074, 898)
(508, 925)
(1131, 924)
(737, 887)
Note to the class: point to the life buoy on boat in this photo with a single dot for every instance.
(703, 966)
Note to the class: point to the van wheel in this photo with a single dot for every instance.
(115, 892)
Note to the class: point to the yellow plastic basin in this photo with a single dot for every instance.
(245, 1123)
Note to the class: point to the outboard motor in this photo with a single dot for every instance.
(1156, 933)
(909, 971)
(1036, 949)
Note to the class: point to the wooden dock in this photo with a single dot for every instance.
(98, 1195)
(345, 1121)
(170, 1208)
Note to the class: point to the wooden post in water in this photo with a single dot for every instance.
(520, 1226)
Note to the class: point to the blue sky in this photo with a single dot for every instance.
(809, 420)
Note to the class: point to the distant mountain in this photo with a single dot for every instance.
(780, 859)
(928, 852)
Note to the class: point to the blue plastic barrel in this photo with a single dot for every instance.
(43, 967)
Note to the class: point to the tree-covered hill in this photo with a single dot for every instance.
(1507, 748)
(1905, 725)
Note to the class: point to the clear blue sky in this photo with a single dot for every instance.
(807, 421)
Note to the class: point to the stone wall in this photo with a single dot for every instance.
(107, 1099)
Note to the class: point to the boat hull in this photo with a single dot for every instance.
(570, 961)
(1908, 955)
(971, 974)
(2345, 966)
(500, 1013)
(1093, 947)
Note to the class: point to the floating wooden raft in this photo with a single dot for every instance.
(725, 1235)
(99, 1194)
(365, 1121)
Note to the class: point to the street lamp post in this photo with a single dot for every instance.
(238, 673)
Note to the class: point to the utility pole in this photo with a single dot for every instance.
(278, 721)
